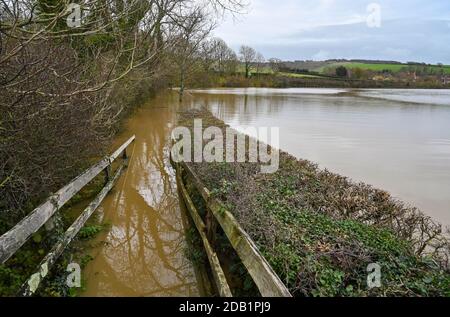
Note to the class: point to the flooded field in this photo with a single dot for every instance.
(381, 139)
(397, 140)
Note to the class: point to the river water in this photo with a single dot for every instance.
(394, 139)
(144, 251)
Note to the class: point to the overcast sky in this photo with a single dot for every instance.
(409, 30)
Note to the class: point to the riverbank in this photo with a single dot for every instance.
(320, 231)
(291, 80)
(397, 140)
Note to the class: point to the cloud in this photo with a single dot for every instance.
(402, 40)
(326, 4)
(307, 29)
(321, 55)
(397, 53)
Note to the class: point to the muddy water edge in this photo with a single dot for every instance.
(144, 252)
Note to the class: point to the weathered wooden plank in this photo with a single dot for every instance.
(122, 148)
(268, 282)
(32, 284)
(218, 274)
(12, 240)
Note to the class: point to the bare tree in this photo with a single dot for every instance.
(222, 55)
(259, 62)
(62, 71)
(275, 65)
(247, 56)
(189, 36)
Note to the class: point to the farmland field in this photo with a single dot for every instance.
(295, 75)
(380, 67)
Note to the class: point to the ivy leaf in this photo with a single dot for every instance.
(37, 238)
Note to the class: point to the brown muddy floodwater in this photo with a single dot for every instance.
(395, 139)
(144, 251)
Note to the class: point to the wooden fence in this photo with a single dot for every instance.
(12, 240)
(267, 281)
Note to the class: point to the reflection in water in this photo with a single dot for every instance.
(398, 146)
(144, 253)
(401, 147)
(429, 96)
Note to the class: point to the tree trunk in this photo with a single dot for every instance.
(181, 84)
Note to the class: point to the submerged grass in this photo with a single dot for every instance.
(320, 231)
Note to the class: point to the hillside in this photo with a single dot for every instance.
(392, 66)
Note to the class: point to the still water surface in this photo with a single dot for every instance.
(397, 140)
(385, 138)
(144, 252)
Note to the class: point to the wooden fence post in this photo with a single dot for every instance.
(125, 157)
(211, 227)
(107, 172)
(41, 272)
(219, 276)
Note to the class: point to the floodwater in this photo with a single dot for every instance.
(144, 251)
(397, 140)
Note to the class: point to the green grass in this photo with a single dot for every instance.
(262, 70)
(295, 75)
(268, 71)
(332, 254)
(380, 67)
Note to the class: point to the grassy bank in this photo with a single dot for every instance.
(389, 67)
(320, 231)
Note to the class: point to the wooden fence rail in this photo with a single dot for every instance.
(267, 281)
(217, 272)
(33, 282)
(12, 240)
